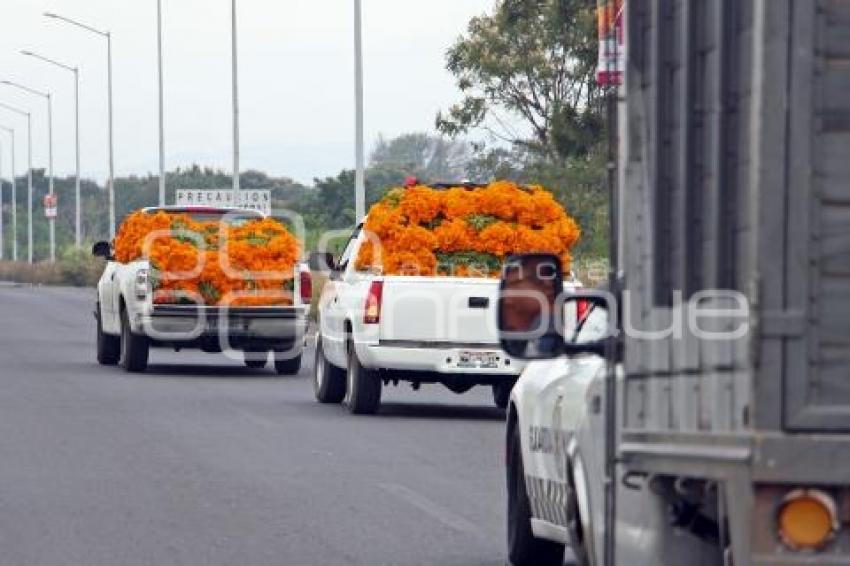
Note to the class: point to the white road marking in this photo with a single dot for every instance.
(448, 518)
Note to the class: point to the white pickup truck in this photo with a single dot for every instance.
(129, 323)
(376, 330)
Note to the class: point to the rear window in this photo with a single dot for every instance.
(232, 218)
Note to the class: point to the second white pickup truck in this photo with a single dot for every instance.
(129, 323)
(376, 330)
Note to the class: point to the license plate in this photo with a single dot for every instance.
(483, 360)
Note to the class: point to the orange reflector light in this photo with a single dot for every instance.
(807, 519)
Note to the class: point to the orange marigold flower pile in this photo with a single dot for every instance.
(189, 258)
(462, 231)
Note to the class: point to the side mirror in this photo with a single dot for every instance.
(321, 262)
(529, 325)
(102, 249)
(596, 327)
(535, 312)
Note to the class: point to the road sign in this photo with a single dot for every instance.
(612, 48)
(259, 200)
(51, 206)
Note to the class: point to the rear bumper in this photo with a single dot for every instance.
(178, 323)
(438, 358)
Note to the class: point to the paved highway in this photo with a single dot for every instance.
(201, 461)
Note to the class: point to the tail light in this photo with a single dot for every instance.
(142, 283)
(372, 308)
(306, 285)
(807, 520)
(582, 310)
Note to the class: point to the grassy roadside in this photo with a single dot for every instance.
(75, 268)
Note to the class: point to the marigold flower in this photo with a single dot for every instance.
(415, 225)
(227, 257)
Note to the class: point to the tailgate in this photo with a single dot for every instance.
(445, 311)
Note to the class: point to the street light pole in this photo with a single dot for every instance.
(2, 241)
(111, 141)
(14, 197)
(111, 181)
(235, 79)
(29, 187)
(49, 98)
(50, 158)
(78, 216)
(29, 172)
(161, 105)
(360, 173)
(76, 71)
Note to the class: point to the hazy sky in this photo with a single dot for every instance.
(296, 79)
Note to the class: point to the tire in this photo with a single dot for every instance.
(576, 528)
(255, 359)
(108, 347)
(287, 366)
(363, 387)
(524, 549)
(328, 380)
(502, 394)
(134, 348)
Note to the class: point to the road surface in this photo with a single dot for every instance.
(201, 461)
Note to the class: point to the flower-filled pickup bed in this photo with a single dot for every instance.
(245, 263)
(463, 231)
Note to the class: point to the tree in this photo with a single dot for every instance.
(427, 157)
(534, 60)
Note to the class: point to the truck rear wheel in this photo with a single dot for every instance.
(502, 393)
(108, 347)
(255, 359)
(524, 549)
(287, 365)
(363, 391)
(134, 348)
(328, 380)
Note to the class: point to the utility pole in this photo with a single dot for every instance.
(111, 182)
(49, 99)
(161, 105)
(14, 196)
(2, 241)
(235, 46)
(78, 239)
(360, 155)
(50, 166)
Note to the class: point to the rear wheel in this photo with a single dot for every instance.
(287, 365)
(363, 391)
(328, 380)
(255, 359)
(524, 549)
(578, 531)
(134, 348)
(108, 347)
(502, 394)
